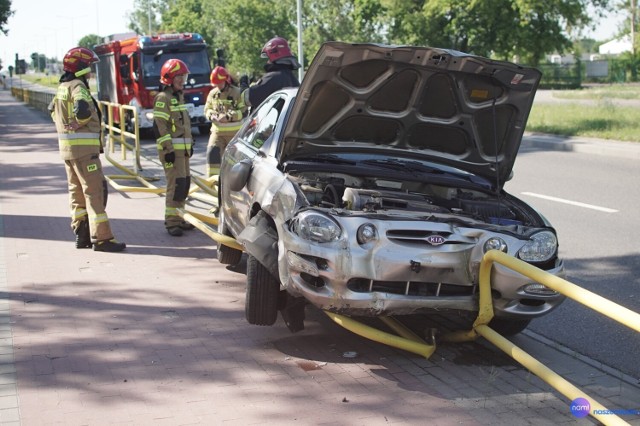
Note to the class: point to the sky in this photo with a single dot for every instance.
(54, 26)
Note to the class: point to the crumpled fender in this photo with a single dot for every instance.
(260, 240)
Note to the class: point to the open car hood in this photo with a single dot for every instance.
(425, 103)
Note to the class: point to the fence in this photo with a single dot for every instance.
(573, 76)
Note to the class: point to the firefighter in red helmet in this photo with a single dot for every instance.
(225, 111)
(77, 118)
(279, 72)
(172, 128)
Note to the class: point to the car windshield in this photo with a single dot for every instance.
(196, 60)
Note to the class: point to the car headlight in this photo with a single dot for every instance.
(540, 248)
(314, 226)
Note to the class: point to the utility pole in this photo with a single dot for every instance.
(633, 27)
(149, 5)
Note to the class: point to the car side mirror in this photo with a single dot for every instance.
(238, 176)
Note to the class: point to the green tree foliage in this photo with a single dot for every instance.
(244, 26)
(38, 61)
(503, 29)
(90, 41)
(349, 21)
(146, 15)
(184, 16)
(5, 13)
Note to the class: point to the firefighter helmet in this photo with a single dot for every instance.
(78, 61)
(171, 69)
(276, 48)
(220, 75)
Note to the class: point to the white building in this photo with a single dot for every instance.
(617, 46)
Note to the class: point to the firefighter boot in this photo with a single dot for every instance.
(83, 239)
(111, 246)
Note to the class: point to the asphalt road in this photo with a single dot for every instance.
(595, 207)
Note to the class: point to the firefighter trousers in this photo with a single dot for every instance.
(218, 142)
(88, 194)
(178, 183)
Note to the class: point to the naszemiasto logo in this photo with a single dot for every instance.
(580, 407)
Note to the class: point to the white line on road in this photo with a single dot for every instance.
(573, 203)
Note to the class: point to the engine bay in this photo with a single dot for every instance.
(374, 195)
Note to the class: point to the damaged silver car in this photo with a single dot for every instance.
(377, 186)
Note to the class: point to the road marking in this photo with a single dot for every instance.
(573, 203)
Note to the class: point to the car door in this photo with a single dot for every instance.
(251, 138)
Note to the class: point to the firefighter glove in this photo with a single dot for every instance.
(170, 157)
(244, 82)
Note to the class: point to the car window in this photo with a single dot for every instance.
(263, 123)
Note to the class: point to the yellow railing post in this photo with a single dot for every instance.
(585, 297)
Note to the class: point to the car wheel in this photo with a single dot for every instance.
(508, 327)
(225, 254)
(261, 305)
(204, 129)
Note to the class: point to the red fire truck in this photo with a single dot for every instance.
(129, 73)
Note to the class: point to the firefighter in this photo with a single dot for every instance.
(223, 109)
(77, 118)
(279, 73)
(172, 127)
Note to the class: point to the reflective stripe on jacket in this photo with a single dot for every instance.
(171, 121)
(73, 96)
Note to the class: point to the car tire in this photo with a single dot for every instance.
(225, 254)
(508, 327)
(261, 304)
(204, 129)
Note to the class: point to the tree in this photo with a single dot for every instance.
(630, 25)
(144, 18)
(341, 20)
(5, 13)
(499, 28)
(38, 61)
(90, 41)
(240, 27)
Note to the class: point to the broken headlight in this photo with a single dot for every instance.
(314, 226)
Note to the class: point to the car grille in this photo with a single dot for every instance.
(414, 236)
(411, 288)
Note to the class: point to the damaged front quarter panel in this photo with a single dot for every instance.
(278, 203)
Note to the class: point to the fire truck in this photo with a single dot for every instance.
(129, 74)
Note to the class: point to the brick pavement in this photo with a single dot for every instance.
(157, 335)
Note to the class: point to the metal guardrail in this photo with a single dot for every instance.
(116, 133)
(585, 297)
(37, 99)
(409, 341)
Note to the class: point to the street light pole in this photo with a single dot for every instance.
(300, 53)
(149, 11)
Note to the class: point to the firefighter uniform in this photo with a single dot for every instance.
(225, 112)
(77, 120)
(172, 126)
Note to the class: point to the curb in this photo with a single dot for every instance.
(610, 148)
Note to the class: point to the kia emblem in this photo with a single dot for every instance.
(436, 240)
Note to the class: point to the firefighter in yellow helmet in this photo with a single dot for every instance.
(172, 128)
(77, 118)
(223, 109)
